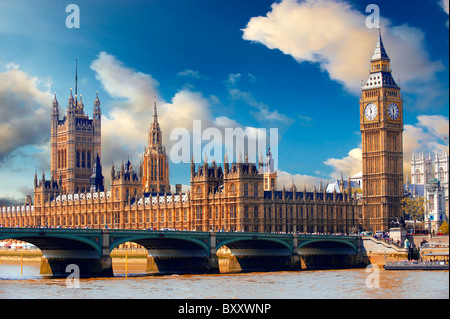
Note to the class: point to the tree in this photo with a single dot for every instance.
(444, 228)
(414, 208)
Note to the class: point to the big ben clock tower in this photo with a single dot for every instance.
(381, 120)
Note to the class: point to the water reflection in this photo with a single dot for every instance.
(340, 284)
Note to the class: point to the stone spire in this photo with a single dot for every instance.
(380, 72)
(155, 134)
(379, 52)
(96, 180)
(97, 102)
(71, 99)
(55, 108)
(155, 113)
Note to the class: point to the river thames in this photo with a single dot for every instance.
(318, 284)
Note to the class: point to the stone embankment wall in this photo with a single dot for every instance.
(378, 251)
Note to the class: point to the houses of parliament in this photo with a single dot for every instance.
(238, 196)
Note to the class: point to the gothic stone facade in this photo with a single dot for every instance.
(230, 199)
(75, 144)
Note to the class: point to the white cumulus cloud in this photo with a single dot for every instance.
(126, 125)
(348, 165)
(334, 35)
(24, 110)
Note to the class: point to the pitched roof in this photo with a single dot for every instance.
(380, 52)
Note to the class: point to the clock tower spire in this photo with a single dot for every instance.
(381, 123)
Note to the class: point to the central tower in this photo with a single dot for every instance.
(381, 122)
(155, 166)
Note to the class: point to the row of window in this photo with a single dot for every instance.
(440, 176)
(83, 159)
(61, 158)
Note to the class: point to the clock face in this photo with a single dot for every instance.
(393, 111)
(371, 111)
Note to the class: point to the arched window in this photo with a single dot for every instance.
(83, 158)
(88, 160)
(418, 179)
(78, 158)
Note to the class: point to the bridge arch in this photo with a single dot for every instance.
(336, 245)
(169, 252)
(157, 241)
(253, 252)
(268, 244)
(63, 247)
(58, 242)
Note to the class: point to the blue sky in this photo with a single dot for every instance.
(292, 65)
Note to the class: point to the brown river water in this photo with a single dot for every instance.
(318, 284)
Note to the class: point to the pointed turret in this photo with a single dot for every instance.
(155, 134)
(97, 110)
(156, 164)
(192, 167)
(55, 112)
(155, 113)
(380, 72)
(380, 52)
(71, 100)
(96, 102)
(113, 172)
(55, 105)
(96, 180)
(349, 186)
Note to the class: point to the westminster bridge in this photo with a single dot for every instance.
(188, 251)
